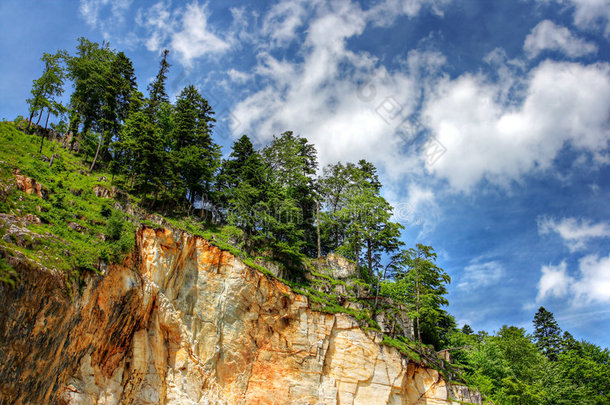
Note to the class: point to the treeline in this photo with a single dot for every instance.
(548, 367)
(165, 155)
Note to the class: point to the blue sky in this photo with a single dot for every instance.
(488, 120)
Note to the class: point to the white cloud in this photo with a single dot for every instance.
(283, 20)
(554, 281)
(588, 13)
(185, 31)
(488, 137)
(195, 39)
(592, 284)
(419, 208)
(574, 233)
(338, 99)
(385, 12)
(477, 275)
(90, 9)
(547, 35)
(237, 76)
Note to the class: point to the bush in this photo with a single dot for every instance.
(115, 226)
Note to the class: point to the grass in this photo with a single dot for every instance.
(71, 235)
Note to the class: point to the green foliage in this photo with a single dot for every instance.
(547, 333)
(356, 219)
(421, 285)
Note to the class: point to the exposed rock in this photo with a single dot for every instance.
(32, 219)
(187, 323)
(29, 185)
(103, 192)
(77, 227)
(341, 267)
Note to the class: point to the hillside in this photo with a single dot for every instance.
(96, 311)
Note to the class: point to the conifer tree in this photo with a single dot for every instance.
(293, 162)
(156, 90)
(195, 157)
(547, 333)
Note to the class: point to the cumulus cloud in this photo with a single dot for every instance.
(588, 13)
(590, 285)
(496, 139)
(554, 281)
(549, 36)
(283, 20)
(195, 39)
(183, 30)
(481, 274)
(594, 282)
(575, 233)
(341, 100)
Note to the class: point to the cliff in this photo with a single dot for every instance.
(183, 322)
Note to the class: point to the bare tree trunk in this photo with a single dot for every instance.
(52, 158)
(318, 228)
(380, 275)
(27, 129)
(44, 132)
(99, 144)
(417, 303)
(40, 116)
(369, 255)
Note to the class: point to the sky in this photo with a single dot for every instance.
(487, 119)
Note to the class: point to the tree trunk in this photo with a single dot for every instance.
(369, 255)
(40, 116)
(44, 132)
(52, 158)
(99, 144)
(27, 129)
(318, 228)
(417, 288)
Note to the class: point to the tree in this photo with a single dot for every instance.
(547, 333)
(90, 72)
(139, 150)
(421, 285)
(467, 330)
(194, 154)
(244, 186)
(356, 218)
(293, 163)
(120, 83)
(156, 90)
(47, 89)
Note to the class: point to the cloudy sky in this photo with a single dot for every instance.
(488, 120)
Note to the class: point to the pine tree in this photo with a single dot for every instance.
(156, 90)
(293, 162)
(195, 157)
(547, 333)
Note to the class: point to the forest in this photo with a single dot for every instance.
(274, 201)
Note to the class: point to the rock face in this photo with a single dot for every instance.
(186, 323)
(29, 185)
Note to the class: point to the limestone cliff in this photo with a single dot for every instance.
(182, 322)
